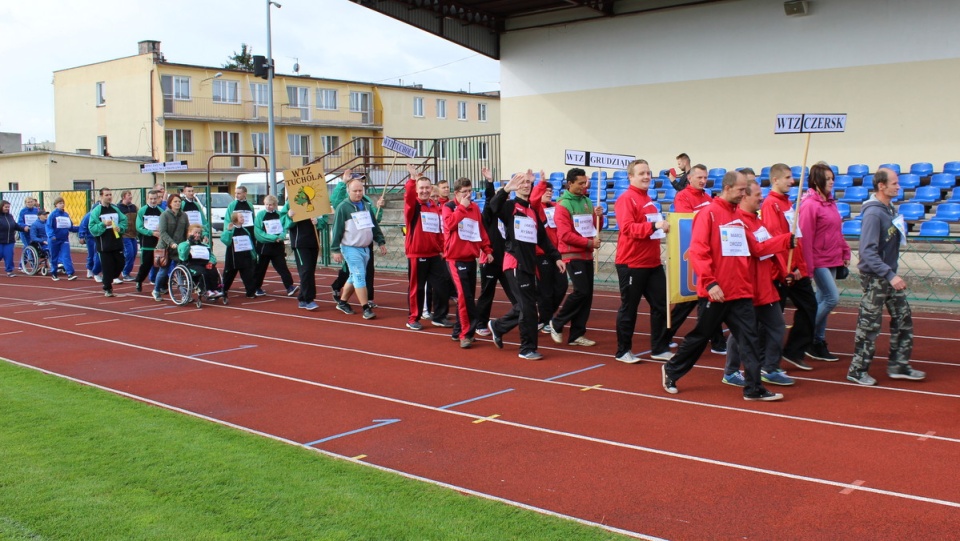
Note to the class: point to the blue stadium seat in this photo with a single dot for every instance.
(658, 205)
(654, 194)
(765, 172)
(944, 181)
(912, 211)
(909, 181)
(667, 194)
(792, 193)
(867, 181)
(952, 167)
(835, 169)
(955, 195)
(948, 212)
(842, 181)
(621, 183)
(795, 170)
(933, 228)
(843, 209)
(619, 174)
(764, 192)
(557, 178)
(895, 167)
(672, 207)
(926, 194)
(922, 169)
(851, 228)
(857, 170)
(855, 194)
(665, 173)
(716, 173)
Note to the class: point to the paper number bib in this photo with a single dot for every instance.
(241, 243)
(198, 251)
(108, 218)
(583, 224)
(272, 227)
(525, 229)
(194, 217)
(247, 217)
(469, 230)
(733, 241)
(362, 219)
(430, 222)
(151, 222)
(789, 216)
(762, 235)
(902, 228)
(549, 212)
(654, 218)
(29, 219)
(63, 222)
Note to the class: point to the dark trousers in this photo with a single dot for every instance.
(553, 286)
(490, 274)
(146, 265)
(770, 331)
(576, 308)
(279, 262)
(634, 285)
(423, 270)
(112, 264)
(464, 278)
(679, 313)
(247, 276)
(523, 313)
(805, 301)
(211, 278)
(741, 319)
(344, 274)
(307, 269)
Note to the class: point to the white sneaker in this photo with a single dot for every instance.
(98, 279)
(582, 341)
(117, 281)
(89, 274)
(665, 356)
(628, 358)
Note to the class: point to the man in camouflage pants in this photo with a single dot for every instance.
(881, 236)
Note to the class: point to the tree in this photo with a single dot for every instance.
(242, 61)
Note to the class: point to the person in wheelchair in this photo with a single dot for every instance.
(200, 259)
(38, 235)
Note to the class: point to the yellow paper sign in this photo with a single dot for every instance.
(306, 190)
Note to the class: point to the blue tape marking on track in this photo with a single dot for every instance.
(462, 402)
(574, 372)
(379, 423)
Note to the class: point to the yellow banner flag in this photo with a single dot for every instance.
(681, 280)
(306, 190)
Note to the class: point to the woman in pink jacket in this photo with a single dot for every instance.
(824, 250)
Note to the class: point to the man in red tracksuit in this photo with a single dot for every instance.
(465, 240)
(777, 215)
(721, 251)
(553, 283)
(690, 200)
(424, 246)
(578, 229)
(639, 268)
(524, 231)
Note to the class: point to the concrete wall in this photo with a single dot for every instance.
(710, 80)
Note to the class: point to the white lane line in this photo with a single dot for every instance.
(32, 311)
(522, 426)
(97, 322)
(66, 315)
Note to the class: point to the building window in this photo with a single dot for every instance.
(482, 112)
(102, 145)
(483, 151)
(258, 92)
(179, 141)
(463, 150)
(441, 108)
(361, 147)
(181, 88)
(299, 146)
(82, 185)
(331, 143)
(226, 142)
(418, 107)
(440, 149)
(327, 99)
(360, 103)
(226, 91)
(13, 186)
(101, 100)
(261, 145)
(419, 145)
(461, 110)
(299, 98)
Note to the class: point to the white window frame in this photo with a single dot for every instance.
(260, 142)
(440, 149)
(258, 94)
(102, 145)
(327, 99)
(299, 144)
(227, 142)
(441, 108)
(101, 99)
(463, 150)
(226, 85)
(181, 88)
(182, 141)
(483, 151)
(482, 112)
(418, 107)
(299, 98)
(330, 142)
(461, 110)
(420, 145)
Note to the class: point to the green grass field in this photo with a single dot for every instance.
(80, 463)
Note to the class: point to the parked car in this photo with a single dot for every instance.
(220, 202)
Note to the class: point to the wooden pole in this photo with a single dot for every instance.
(597, 219)
(796, 209)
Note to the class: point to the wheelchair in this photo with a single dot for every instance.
(35, 260)
(186, 287)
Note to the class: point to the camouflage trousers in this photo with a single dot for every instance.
(877, 293)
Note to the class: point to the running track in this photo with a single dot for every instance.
(577, 434)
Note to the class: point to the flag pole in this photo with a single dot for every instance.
(796, 210)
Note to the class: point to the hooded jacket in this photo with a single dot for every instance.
(879, 239)
(635, 248)
(822, 229)
(573, 245)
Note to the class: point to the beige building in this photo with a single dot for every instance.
(44, 170)
(149, 109)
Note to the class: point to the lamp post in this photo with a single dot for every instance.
(272, 177)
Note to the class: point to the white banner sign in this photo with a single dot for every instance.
(597, 159)
(399, 148)
(163, 167)
(811, 123)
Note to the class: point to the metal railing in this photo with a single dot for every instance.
(255, 112)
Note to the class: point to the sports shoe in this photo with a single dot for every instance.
(665, 356)
(531, 355)
(819, 351)
(214, 294)
(344, 307)
(546, 329)
(372, 304)
(426, 315)
(445, 324)
(336, 293)
(138, 286)
(466, 343)
(11, 275)
(861, 379)
(292, 290)
(497, 340)
(301, 304)
(127, 278)
(764, 396)
(89, 273)
(108, 293)
(311, 306)
(74, 277)
(668, 384)
(799, 363)
(98, 279)
(117, 281)
(735, 379)
(777, 377)
(483, 331)
(628, 358)
(55, 278)
(582, 341)
(157, 296)
(368, 313)
(540, 326)
(556, 335)
(908, 373)
(414, 326)
(719, 349)
(673, 345)
(260, 293)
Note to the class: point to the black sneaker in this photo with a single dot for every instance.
(763, 396)
(139, 286)
(368, 312)
(344, 307)
(799, 363)
(668, 384)
(819, 351)
(497, 340)
(336, 295)
(719, 349)
(292, 290)
(445, 324)
(260, 293)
